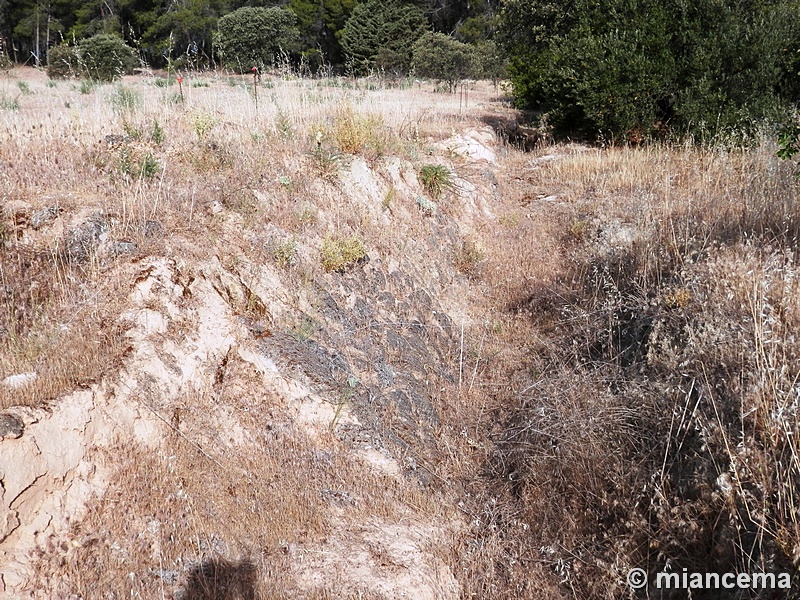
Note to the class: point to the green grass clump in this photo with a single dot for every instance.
(157, 135)
(125, 99)
(87, 86)
(435, 179)
(150, 166)
(146, 166)
(9, 103)
(338, 254)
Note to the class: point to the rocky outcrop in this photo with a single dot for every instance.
(361, 366)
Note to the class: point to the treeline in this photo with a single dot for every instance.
(181, 32)
(600, 69)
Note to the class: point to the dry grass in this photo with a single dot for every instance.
(657, 422)
(222, 506)
(55, 324)
(159, 175)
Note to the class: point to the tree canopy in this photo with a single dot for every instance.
(441, 57)
(626, 68)
(253, 36)
(380, 34)
(181, 32)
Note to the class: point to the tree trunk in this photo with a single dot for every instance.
(38, 22)
(47, 37)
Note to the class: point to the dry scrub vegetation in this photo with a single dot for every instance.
(612, 372)
(659, 419)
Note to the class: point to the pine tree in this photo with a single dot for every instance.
(36, 25)
(184, 31)
(319, 21)
(381, 35)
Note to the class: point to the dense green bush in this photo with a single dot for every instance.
(105, 58)
(380, 35)
(628, 68)
(62, 62)
(441, 57)
(253, 36)
(492, 62)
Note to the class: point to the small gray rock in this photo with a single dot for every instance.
(19, 380)
(42, 217)
(115, 141)
(338, 496)
(168, 576)
(11, 427)
(118, 248)
(83, 239)
(152, 229)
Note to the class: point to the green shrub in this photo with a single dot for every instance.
(252, 37)
(157, 135)
(135, 165)
(132, 131)
(105, 58)
(625, 69)
(492, 62)
(438, 56)
(340, 253)
(150, 166)
(789, 143)
(62, 62)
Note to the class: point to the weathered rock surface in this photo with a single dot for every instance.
(11, 427)
(43, 217)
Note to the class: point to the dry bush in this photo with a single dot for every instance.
(363, 134)
(338, 253)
